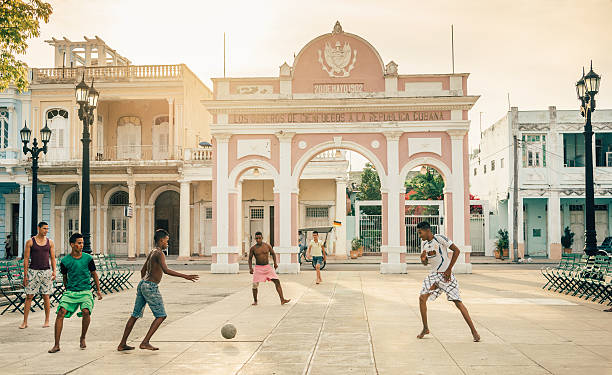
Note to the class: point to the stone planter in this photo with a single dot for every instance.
(354, 254)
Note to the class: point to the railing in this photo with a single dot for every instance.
(198, 154)
(115, 153)
(108, 73)
(333, 154)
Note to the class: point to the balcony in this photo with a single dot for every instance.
(129, 73)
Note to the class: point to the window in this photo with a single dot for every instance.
(208, 214)
(534, 150)
(603, 150)
(576, 207)
(57, 120)
(317, 212)
(257, 213)
(492, 165)
(120, 198)
(573, 150)
(4, 128)
(501, 163)
(475, 169)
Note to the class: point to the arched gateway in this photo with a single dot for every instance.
(338, 95)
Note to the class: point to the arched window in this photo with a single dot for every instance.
(120, 198)
(160, 137)
(59, 145)
(4, 128)
(128, 137)
(73, 199)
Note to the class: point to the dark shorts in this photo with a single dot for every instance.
(148, 293)
(316, 260)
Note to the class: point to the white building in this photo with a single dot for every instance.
(551, 177)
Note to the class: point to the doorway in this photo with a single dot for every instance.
(167, 217)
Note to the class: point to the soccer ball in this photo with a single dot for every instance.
(228, 331)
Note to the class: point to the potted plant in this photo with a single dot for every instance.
(501, 250)
(355, 247)
(567, 240)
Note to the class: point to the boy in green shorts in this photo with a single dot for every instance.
(77, 268)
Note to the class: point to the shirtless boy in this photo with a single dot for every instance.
(440, 279)
(263, 270)
(148, 291)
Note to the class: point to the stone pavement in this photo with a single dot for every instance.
(356, 322)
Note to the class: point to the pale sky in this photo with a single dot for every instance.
(532, 49)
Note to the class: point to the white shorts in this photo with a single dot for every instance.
(451, 288)
(39, 282)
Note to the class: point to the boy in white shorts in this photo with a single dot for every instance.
(440, 279)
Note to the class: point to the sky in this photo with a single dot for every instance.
(523, 53)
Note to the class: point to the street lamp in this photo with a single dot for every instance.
(26, 135)
(87, 98)
(586, 88)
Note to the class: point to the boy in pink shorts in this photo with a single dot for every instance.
(263, 270)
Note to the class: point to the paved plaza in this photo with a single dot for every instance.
(355, 322)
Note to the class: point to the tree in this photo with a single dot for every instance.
(428, 186)
(369, 189)
(19, 21)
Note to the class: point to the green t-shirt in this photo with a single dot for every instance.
(77, 271)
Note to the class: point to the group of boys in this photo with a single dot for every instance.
(77, 269)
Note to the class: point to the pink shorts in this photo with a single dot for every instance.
(264, 273)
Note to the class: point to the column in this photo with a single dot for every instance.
(224, 256)
(341, 217)
(98, 235)
(287, 249)
(393, 252)
(27, 215)
(184, 236)
(238, 220)
(172, 139)
(553, 223)
(52, 223)
(151, 226)
(521, 237)
(62, 236)
(132, 221)
(142, 226)
(460, 222)
(104, 234)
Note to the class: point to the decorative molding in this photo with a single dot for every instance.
(259, 147)
(254, 89)
(375, 144)
(302, 145)
(534, 127)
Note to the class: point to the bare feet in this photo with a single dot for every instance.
(83, 344)
(318, 281)
(285, 301)
(476, 336)
(46, 325)
(424, 332)
(23, 325)
(54, 349)
(147, 346)
(254, 303)
(608, 310)
(123, 347)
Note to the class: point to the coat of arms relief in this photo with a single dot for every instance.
(338, 57)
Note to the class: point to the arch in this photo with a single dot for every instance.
(112, 191)
(71, 190)
(160, 190)
(440, 166)
(349, 145)
(238, 170)
(120, 198)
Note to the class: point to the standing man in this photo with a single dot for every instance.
(317, 249)
(77, 268)
(263, 271)
(8, 247)
(440, 279)
(38, 271)
(148, 291)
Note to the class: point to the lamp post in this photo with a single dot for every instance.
(87, 98)
(586, 88)
(45, 135)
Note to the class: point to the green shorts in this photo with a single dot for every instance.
(71, 301)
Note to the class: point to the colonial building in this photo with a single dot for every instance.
(550, 180)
